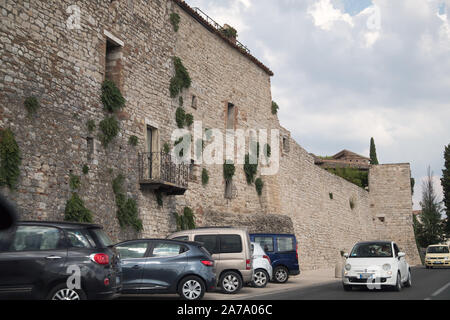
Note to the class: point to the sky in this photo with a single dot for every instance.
(349, 70)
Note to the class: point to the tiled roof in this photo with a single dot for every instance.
(189, 10)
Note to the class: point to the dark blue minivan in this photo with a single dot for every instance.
(282, 251)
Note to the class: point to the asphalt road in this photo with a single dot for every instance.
(428, 284)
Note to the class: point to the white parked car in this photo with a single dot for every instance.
(261, 265)
(376, 264)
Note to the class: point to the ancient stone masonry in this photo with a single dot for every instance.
(133, 43)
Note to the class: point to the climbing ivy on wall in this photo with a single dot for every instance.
(228, 171)
(10, 159)
(175, 21)
(127, 210)
(185, 221)
(112, 98)
(181, 80)
(109, 128)
(205, 177)
(32, 105)
(250, 169)
(180, 117)
(76, 211)
(259, 184)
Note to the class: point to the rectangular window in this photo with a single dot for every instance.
(230, 243)
(36, 238)
(285, 144)
(231, 116)
(265, 242)
(285, 244)
(113, 62)
(194, 102)
(209, 242)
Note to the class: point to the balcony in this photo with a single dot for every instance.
(157, 171)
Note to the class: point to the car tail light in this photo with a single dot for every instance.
(248, 264)
(267, 257)
(296, 251)
(106, 282)
(100, 258)
(208, 263)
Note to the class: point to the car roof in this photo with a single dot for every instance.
(273, 234)
(375, 241)
(194, 243)
(62, 224)
(438, 245)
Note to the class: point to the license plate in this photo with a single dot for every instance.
(365, 275)
(438, 262)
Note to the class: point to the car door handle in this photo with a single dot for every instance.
(53, 257)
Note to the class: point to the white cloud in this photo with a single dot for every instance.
(325, 15)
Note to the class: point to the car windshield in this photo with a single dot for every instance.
(371, 250)
(440, 249)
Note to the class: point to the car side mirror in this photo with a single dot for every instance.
(401, 254)
(346, 255)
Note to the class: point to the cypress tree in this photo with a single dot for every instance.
(445, 182)
(373, 152)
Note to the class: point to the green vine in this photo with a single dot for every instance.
(127, 210)
(10, 159)
(228, 171)
(185, 221)
(205, 177)
(181, 80)
(175, 21)
(90, 124)
(32, 105)
(112, 98)
(76, 211)
(275, 107)
(133, 140)
(110, 129)
(259, 184)
(180, 117)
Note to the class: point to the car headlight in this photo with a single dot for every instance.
(386, 267)
(348, 267)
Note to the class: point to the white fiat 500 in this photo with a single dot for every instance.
(376, 264)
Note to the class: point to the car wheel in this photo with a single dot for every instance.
(280, 274)
(230, 282)
(398, 285)
(408, 282)
(427, 267)
(347, 287)
(260, 278)
(191, 288)
(61, 292)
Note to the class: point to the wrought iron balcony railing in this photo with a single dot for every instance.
(157, 169)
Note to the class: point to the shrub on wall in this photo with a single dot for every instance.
(85, 169)
(32, 105)
(166, 147)
(189, 119)
(180, 117)
(10, 159)
(259, 184)
(275, 107)
(112, 98)
(90, 124)
(110, 129)
(229, 32)
(133, 140)
(74, 181)
(127, 210)
(250, 169)
(76, 211)
(185, 221)
(228, 171)
(181, 80)
(205, 177)
(175, 21)
(159, 198)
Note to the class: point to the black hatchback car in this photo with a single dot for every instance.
(58, 261)
(166, 266)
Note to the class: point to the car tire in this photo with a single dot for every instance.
(260, 278)
(398, 285)
(61, 292)
(230, 282)
(280, 274)
(347, 287)
(427, 267)
(191, 288)
(408, 282)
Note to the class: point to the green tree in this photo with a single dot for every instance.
(429, 226)
(445, 182)
(373, 152)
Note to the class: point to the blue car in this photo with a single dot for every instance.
(282, 251)
(166, 266)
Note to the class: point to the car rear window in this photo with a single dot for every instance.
(80, 239)
(265, 242)
(230, 243)
(36, 238)
(209, 242)
(101, 236)
(285, 244)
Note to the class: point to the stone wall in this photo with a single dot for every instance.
(65, 68)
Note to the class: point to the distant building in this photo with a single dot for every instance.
(342, 159)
